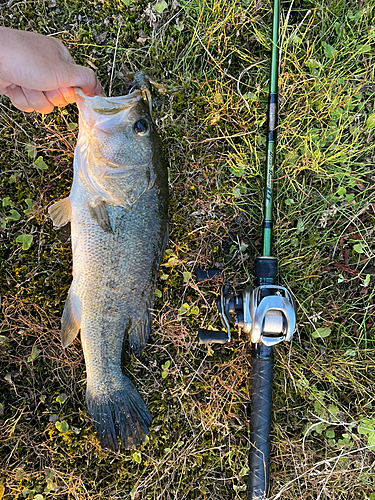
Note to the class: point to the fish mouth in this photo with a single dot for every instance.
(108, 105)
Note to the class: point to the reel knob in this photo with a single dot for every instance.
(212, 337)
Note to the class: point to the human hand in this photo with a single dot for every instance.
(37, 72)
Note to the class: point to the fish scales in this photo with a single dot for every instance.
(118, 212)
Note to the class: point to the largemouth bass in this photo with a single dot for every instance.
(118, 209)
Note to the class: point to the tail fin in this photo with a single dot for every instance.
(122, 415)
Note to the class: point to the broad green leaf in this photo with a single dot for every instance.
(319, 428)
(158, 293)
(161, 6)
(29, 202)
(349, 197)
(7, 202)
(27, 492)
(329, 51)
(321, 333)
(61, 398)
(333, 410)
(294, 242)
(239, 487)
(365, 48)
(166, 365)
(366, 426)
(172, 262)
(72, 125)
(184, 308)
(137, 457)
(14, 215)
(34, 354)
(62, 426)
(359, 247)
(300, 226)
(366, 281)
(39, 163)
(30, 149)
(370, 122)
(371, 439)
(26, 240)
(194, 310)
(187, 276)
(330, 433)
(313, 63)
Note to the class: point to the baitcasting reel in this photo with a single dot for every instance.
(266, 314)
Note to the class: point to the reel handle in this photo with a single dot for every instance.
(212, 336)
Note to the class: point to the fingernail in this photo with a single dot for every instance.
(12, 86)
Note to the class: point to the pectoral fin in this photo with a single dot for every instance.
(60, 212)
(71, 319)
(99, 212)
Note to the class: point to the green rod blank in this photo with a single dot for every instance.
(271, 135)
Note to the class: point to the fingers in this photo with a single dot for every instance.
(28, 100)
(85, 78)
(35, 100)
(18, 98)
(38, 101)
(68, 94)
(32, 100)
(58, 98)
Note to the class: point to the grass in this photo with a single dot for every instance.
(213, 57)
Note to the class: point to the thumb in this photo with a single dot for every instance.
(85, 78)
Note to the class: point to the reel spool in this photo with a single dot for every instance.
(266, 314)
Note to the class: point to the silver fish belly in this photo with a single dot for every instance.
(118, 209)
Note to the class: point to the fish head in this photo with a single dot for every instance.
(119, 141)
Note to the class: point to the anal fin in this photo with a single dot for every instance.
(139, 333)
(71, 319)
(60, 212)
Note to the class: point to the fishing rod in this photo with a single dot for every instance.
(266, 313)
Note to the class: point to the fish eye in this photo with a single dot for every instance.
(140, 127)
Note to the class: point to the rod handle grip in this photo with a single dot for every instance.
(260, 427)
